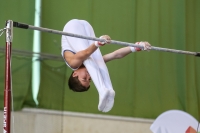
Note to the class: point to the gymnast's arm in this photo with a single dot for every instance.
(117, 54)
(122, 52)
(76, 60)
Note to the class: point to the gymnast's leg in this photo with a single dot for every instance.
(98, 58)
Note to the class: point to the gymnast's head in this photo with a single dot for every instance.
(79, 81)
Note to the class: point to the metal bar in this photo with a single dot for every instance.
(7, 90)
(25, 26)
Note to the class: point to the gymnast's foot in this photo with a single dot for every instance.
(103, 97)
(106, 101)
(110, 101)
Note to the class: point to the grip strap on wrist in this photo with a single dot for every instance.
(132, 49)
(98, 43)
(135, 49)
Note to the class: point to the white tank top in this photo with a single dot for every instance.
(66, 47)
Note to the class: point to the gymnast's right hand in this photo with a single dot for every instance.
(106, 38)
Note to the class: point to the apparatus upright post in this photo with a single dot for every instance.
(7, 90)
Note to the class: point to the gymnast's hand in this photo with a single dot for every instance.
(146, 46)
(106, 38)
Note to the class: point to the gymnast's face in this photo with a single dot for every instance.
(83, 76)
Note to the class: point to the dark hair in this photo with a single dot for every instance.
(75, 85)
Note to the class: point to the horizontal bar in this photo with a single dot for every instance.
(25, 26)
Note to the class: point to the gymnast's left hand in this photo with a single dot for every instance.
(146, 46)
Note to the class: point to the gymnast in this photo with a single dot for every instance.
(85, 59)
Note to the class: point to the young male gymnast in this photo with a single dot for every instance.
(85, 59)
